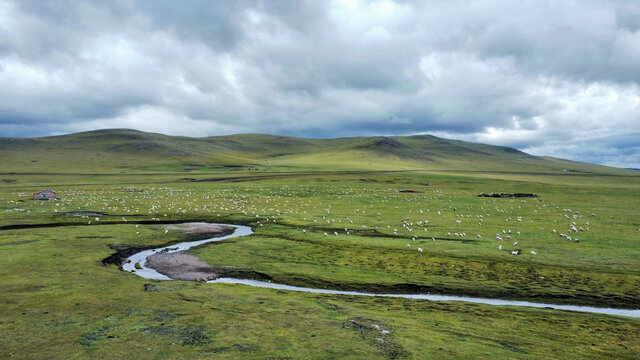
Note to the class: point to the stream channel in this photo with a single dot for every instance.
(149, 273)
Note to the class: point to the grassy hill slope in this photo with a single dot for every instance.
(120, 151)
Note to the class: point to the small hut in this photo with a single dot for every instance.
(45, 194)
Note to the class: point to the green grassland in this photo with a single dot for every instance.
(59, 300)
(127, 151)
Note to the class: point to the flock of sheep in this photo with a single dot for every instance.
(316, 205)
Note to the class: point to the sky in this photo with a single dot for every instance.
(558, 78)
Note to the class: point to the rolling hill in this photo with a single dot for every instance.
(125, 151)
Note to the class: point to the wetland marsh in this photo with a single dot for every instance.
(57, 285)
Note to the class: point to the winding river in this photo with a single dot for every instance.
(148, 273)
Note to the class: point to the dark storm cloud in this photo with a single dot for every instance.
(547, 77)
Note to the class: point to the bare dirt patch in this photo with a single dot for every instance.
(201, 229)
(503, 195)
(82, 213)
(181, 266)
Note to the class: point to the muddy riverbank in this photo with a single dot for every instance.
(180, 266)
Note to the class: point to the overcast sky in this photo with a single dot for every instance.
(559, 78)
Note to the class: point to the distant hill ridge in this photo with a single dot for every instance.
(123, 150)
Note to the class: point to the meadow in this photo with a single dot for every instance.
(60, 301)
(396, 230)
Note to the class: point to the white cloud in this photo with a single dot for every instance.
(153, 119)
(551, 79)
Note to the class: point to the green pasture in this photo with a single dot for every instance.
(60, 301)
(348, 214)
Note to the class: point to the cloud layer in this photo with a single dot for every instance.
(556, 78)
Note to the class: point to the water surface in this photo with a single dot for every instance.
(240, 230)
